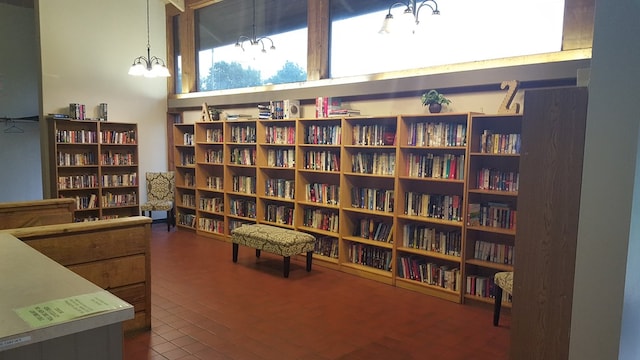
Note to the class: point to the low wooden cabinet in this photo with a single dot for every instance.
(113, 254)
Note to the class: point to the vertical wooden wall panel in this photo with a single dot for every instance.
(577, 32)
(553, 131)
(318, 39)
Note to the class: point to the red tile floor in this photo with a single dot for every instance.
(206, 307)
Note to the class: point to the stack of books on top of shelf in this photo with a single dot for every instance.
(238, 116)
(264, 111)
(332, 107)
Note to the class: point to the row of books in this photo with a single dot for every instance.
(323, 134)
(243, 156)
(211, 225)
(496, 179)
(373, 229)
(213, 156)
(280, 135)
(186, 219)
(188, 200)
(374, 163)
(320, 219)
(117, 158)
(118, 137)
(211, 204)
(76, 159)
(327, 246)
(322, 160)
(445, 166)
(437, 206)
(214, 182)
(322, 193)
(483, 286)
(372, 199)
(493, 252)
(437, 134)
(213, 135)
(115, 180)
(281, 188)
(418, 269)
(187, 139)
(492, 214)
(242, 207)
(369, 255)
(78, 181)
(187, 158)
(84, 202)
(245, 134)
(430, 239)
(76, 136)
(281, 158)
(495, 143)
(110, 199)
(279, 214)
(189, 179)
(282, 109)
(243, 184)
(373, 135)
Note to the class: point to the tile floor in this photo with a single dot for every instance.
(206, 307)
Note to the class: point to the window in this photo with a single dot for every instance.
(222, 65)
(466, 30)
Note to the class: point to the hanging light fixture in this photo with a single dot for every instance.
(254, 45)
(149, 66)
(410, 15)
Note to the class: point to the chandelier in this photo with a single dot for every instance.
(149, 66)
(410, 15)
(253, 44)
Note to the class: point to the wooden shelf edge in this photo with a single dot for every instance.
(430, 290)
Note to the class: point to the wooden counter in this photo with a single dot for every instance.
(113, 254)
(36, 213)
(27, 278)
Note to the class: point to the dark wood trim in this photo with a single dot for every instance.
(318, 39)
(577, 31)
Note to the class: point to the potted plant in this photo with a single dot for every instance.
(214, 113)
(434, 100)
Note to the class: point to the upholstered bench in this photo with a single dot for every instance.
(274, 240)
(504, 282)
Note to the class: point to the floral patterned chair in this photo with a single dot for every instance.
(160, 195)
(504, 283)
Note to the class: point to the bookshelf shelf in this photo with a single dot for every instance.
(95, 163)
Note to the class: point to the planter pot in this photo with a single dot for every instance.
(435, 108)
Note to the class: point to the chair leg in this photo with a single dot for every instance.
(287, 266)
(497, 305)
(235, 253)
(309, 259)
(168, 220)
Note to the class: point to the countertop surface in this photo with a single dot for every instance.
(28, 278)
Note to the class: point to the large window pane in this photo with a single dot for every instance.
(465, 30)
(222, 65)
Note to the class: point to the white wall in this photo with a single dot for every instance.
(19, 152)
(605, 318)
(87, 47)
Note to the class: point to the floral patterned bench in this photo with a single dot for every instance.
(275, 240)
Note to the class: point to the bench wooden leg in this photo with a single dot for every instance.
(287, 264)
(235, 252)
(257, 253)
(309, 258)
(497, 305)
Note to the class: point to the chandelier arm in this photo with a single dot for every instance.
(434, 8)
(406, 4)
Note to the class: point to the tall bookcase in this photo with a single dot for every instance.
(95, 163)
(386, 197)
(185, 172)
(492, 199)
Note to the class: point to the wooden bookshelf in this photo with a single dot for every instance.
(95, 163)
(386, 196)
(185, 171)
(491, 202)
